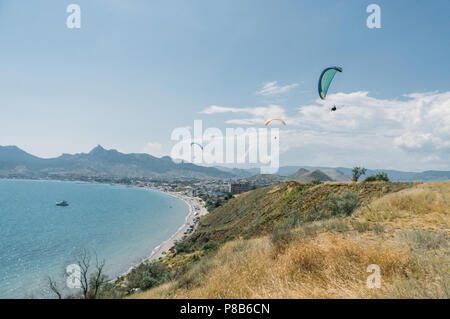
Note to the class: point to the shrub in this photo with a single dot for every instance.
(228, 196)
(211, 245)
(378, 177)
(348, 203)
(148, 275)
(183, 247)
(341, 205)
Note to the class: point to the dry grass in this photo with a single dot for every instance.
(428, 203)
(330, 266)
(405, 233)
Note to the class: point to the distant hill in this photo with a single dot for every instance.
(299, 173)
(344, 173)
(303, 175)
(15, 162)
(336, 174)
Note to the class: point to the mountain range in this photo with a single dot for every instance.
(345, 173)
(16, 163)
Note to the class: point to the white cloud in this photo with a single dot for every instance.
(408, 133)
(154, 148)
(259, 114)
(272, 89)
(421, 122)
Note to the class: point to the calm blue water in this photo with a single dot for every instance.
(37, 238)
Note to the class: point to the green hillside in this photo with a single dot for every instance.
(255, 213)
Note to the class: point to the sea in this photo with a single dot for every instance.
(118, 224)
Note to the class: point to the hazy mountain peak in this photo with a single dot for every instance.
(302, 171)
(97, 149)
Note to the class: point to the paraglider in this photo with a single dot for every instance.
(334, 108)
(280, 120)
(325, 80)
(199, 145)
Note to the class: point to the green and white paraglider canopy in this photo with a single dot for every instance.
(325, 80)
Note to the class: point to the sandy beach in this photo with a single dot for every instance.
(196, 209)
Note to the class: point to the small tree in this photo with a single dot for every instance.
(97, 279)
(54, 287)
(92, 279)
(84, 262)
(357, 172)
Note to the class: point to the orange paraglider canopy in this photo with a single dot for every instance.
(280, 120)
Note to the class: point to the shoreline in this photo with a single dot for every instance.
(196, 209)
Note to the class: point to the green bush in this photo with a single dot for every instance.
(383, 177)
(211, 245)
(148, 275)
(341, 205)
(228, 196)
(183, 247)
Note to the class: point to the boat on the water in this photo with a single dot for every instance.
(63, 203)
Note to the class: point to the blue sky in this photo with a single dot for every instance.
(136, 70)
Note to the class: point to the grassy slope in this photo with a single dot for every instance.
(405, 233)
(255, 213)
